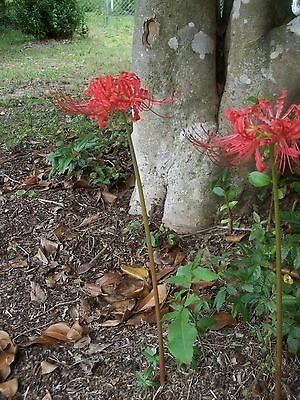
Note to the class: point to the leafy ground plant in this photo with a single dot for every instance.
(223, 188)
(185, 320)
(84, 156)
(146, 377)
(267, 135)
(251, 288)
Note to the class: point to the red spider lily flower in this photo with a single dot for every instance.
(255, 128)
(282, 127)
(109, 94)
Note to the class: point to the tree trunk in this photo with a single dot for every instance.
(176, 50)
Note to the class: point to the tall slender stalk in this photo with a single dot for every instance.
(278, 356)
(162, 374)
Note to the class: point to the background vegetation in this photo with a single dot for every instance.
(32, 69)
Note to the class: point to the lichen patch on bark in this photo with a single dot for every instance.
(202, 44)
(294, 26)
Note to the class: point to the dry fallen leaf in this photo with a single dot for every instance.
(222, 319)
(122, 306)
(83, 342)
(109, 197)
(111, 322)
(131, 287)
(47, 396)
(7, 354)
(47, 368)
(109, 281)
(63, 232)
(9, 388)
(37, 293)
(148, 316)
(47, 251)
(81, 183)
(135, 272)
(235, 238)
(93, 289)
(148, 301)
(88, 220)
(59, 332)
(5, 267)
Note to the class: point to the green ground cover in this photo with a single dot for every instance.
(30, 70)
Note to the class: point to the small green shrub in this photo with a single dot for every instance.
(83, 157)
(43, 19)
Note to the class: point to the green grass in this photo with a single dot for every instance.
(30, 69)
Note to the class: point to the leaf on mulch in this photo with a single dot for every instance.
(63, 232)
(83, 342)
(88, 221)
(111, 322)
(57, 276)
(59, 332)
(222, 319)
(81, 183)
(37, 293)
(47, 396)
(109, 281)
(148, 316)
(131, 288)
(168, 262)
(108, 197)
(7, 354)
(47, 251)
(235, 238)
(35, 182)
(9, 388)
(5, 267)
(148, 301)
(135, 272)
(93, 289)
(47, 368)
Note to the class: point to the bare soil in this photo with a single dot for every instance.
(232, 363)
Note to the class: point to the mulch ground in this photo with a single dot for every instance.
(40, 287)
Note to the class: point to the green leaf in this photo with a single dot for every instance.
(151, 356)
(181, 337)
(223, 207)
(256, 217)
(293, 340)
(253, 99)
(204, 274)
(220, 298)
(232, 204)
(288, 299)
(191, 299)
(259, 179)
(183, 276)
(280, 194)
(20, 192)
(143, 377)
(31, 193)
(204, 323)
(225, 221)
(218, 191)
(296, 186)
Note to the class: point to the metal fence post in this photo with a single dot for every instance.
(106, 12)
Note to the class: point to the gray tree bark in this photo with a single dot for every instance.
(175, 50)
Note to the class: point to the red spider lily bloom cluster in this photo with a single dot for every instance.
(110, 94)
(255, 129)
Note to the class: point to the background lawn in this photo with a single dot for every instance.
(30, 70)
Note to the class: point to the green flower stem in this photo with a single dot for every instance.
(162, 373)
(278, 357)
